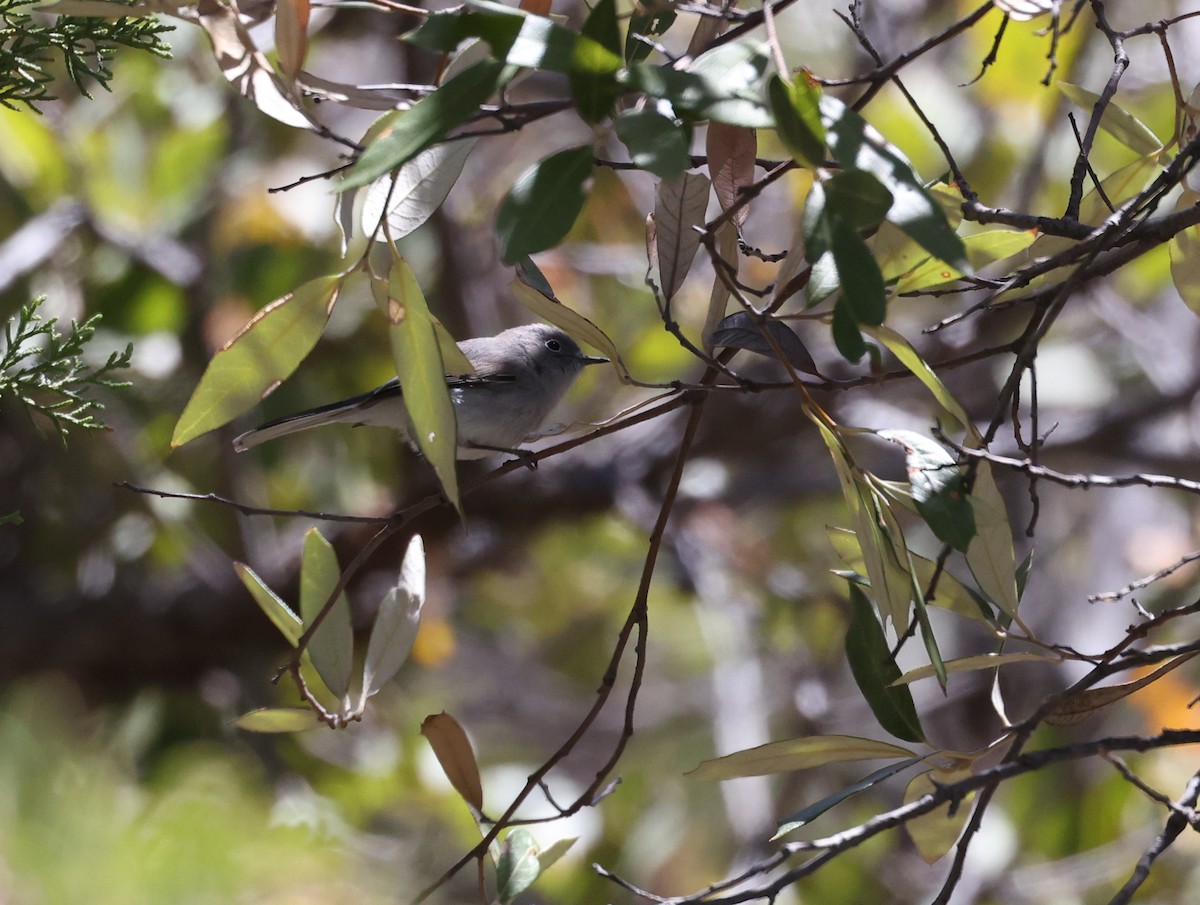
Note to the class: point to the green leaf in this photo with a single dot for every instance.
(541, 208)
(879, 537)
(937, 488)
(795, 754)
(515, 36)
(263, 353)
(649, 22)
(859, 146)
(397, 621)
(795, 105)
(271, 604)
(990, 556)
(818, 226)
(862, 283)
(807, 815)
(911, 359)
(1116, 121)
(723, 84)
(595, 62)
(951, 593)
(859, 199)
(428, 121)
(874, 670)
(656, 143)
(422, 374)
(332, 645)
(518, 866)
(278, 719)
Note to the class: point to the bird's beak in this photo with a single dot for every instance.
(593, 360)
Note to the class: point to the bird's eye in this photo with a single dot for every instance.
(553, 345)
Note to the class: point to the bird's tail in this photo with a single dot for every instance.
(345, 411)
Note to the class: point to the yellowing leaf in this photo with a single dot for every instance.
(982, 249)
(795, 754)
(332, 645)
(453, 750)
(277, 719)
(264, 352)
(911, 359)
(271, 604)
(1116, 121)
(1078, 707)
(1185, 256)
(981, 661)
(936, 832)
(990, 556)
(951, 593)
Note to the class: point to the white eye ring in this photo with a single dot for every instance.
(553, 345)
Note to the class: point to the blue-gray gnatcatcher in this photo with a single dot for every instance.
(519, 376)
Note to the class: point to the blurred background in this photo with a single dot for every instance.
(127, 644)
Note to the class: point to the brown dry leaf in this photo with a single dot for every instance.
(291, 35)
(537, 7)
(678, 208)
(1078, 707)
(245, 66)
(731, 151)
(453, 750)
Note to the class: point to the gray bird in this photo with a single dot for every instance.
(519, 376)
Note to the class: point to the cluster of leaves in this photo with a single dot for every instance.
(44, 369)
(83, 44)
